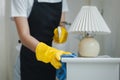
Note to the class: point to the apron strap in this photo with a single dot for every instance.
(35, 0)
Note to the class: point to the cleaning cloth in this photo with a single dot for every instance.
(61, 73)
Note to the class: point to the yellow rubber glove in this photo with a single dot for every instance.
(60, 35)
(49, 54)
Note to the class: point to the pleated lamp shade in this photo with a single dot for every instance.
(89, 20)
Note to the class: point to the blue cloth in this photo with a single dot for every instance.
(61, 73)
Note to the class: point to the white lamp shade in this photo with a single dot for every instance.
(89, 20)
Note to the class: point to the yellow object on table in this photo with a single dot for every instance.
(60, 35)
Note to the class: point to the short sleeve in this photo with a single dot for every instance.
(64, 6)
(18, 8)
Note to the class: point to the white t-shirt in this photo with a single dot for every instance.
(23, 7)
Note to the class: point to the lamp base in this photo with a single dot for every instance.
(89, 47)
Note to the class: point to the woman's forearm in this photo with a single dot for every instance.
(62, 19)
(24, 33)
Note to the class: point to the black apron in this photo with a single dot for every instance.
(43, 19)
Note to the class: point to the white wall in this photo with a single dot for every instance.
(112, 16)
(3, 55)
(11, 41)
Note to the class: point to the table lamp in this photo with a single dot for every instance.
(89, 22)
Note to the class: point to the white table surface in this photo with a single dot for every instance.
(80, 68)
(98, 60)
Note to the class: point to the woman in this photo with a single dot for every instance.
(36, 21)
